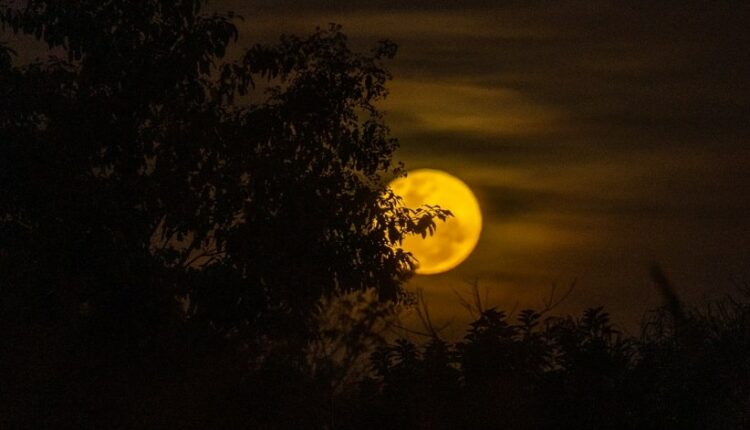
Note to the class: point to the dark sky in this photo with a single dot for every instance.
(599, 136)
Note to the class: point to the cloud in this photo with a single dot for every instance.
(598, 135)
(455, 107)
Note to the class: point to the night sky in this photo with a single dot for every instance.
(598, 136)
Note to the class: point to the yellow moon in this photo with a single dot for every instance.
(455, 239)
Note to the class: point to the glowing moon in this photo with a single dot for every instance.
(455, 239)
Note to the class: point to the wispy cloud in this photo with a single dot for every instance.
(598, 135)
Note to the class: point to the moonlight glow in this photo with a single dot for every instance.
(455, 239)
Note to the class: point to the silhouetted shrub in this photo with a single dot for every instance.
(566, 372)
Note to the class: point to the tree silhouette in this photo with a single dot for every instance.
(567, 372)
(156, 200)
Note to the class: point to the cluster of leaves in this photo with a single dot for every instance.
(160, 212)
(535, 373)
(133, 169)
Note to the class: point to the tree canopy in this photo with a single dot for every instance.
(146, 166)
(169, 213)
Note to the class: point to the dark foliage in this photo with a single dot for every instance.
(165, 228)
(568, 373)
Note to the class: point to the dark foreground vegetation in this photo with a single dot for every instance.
(568, 372)
(179, 249)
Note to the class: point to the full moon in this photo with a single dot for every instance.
(454, 239)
